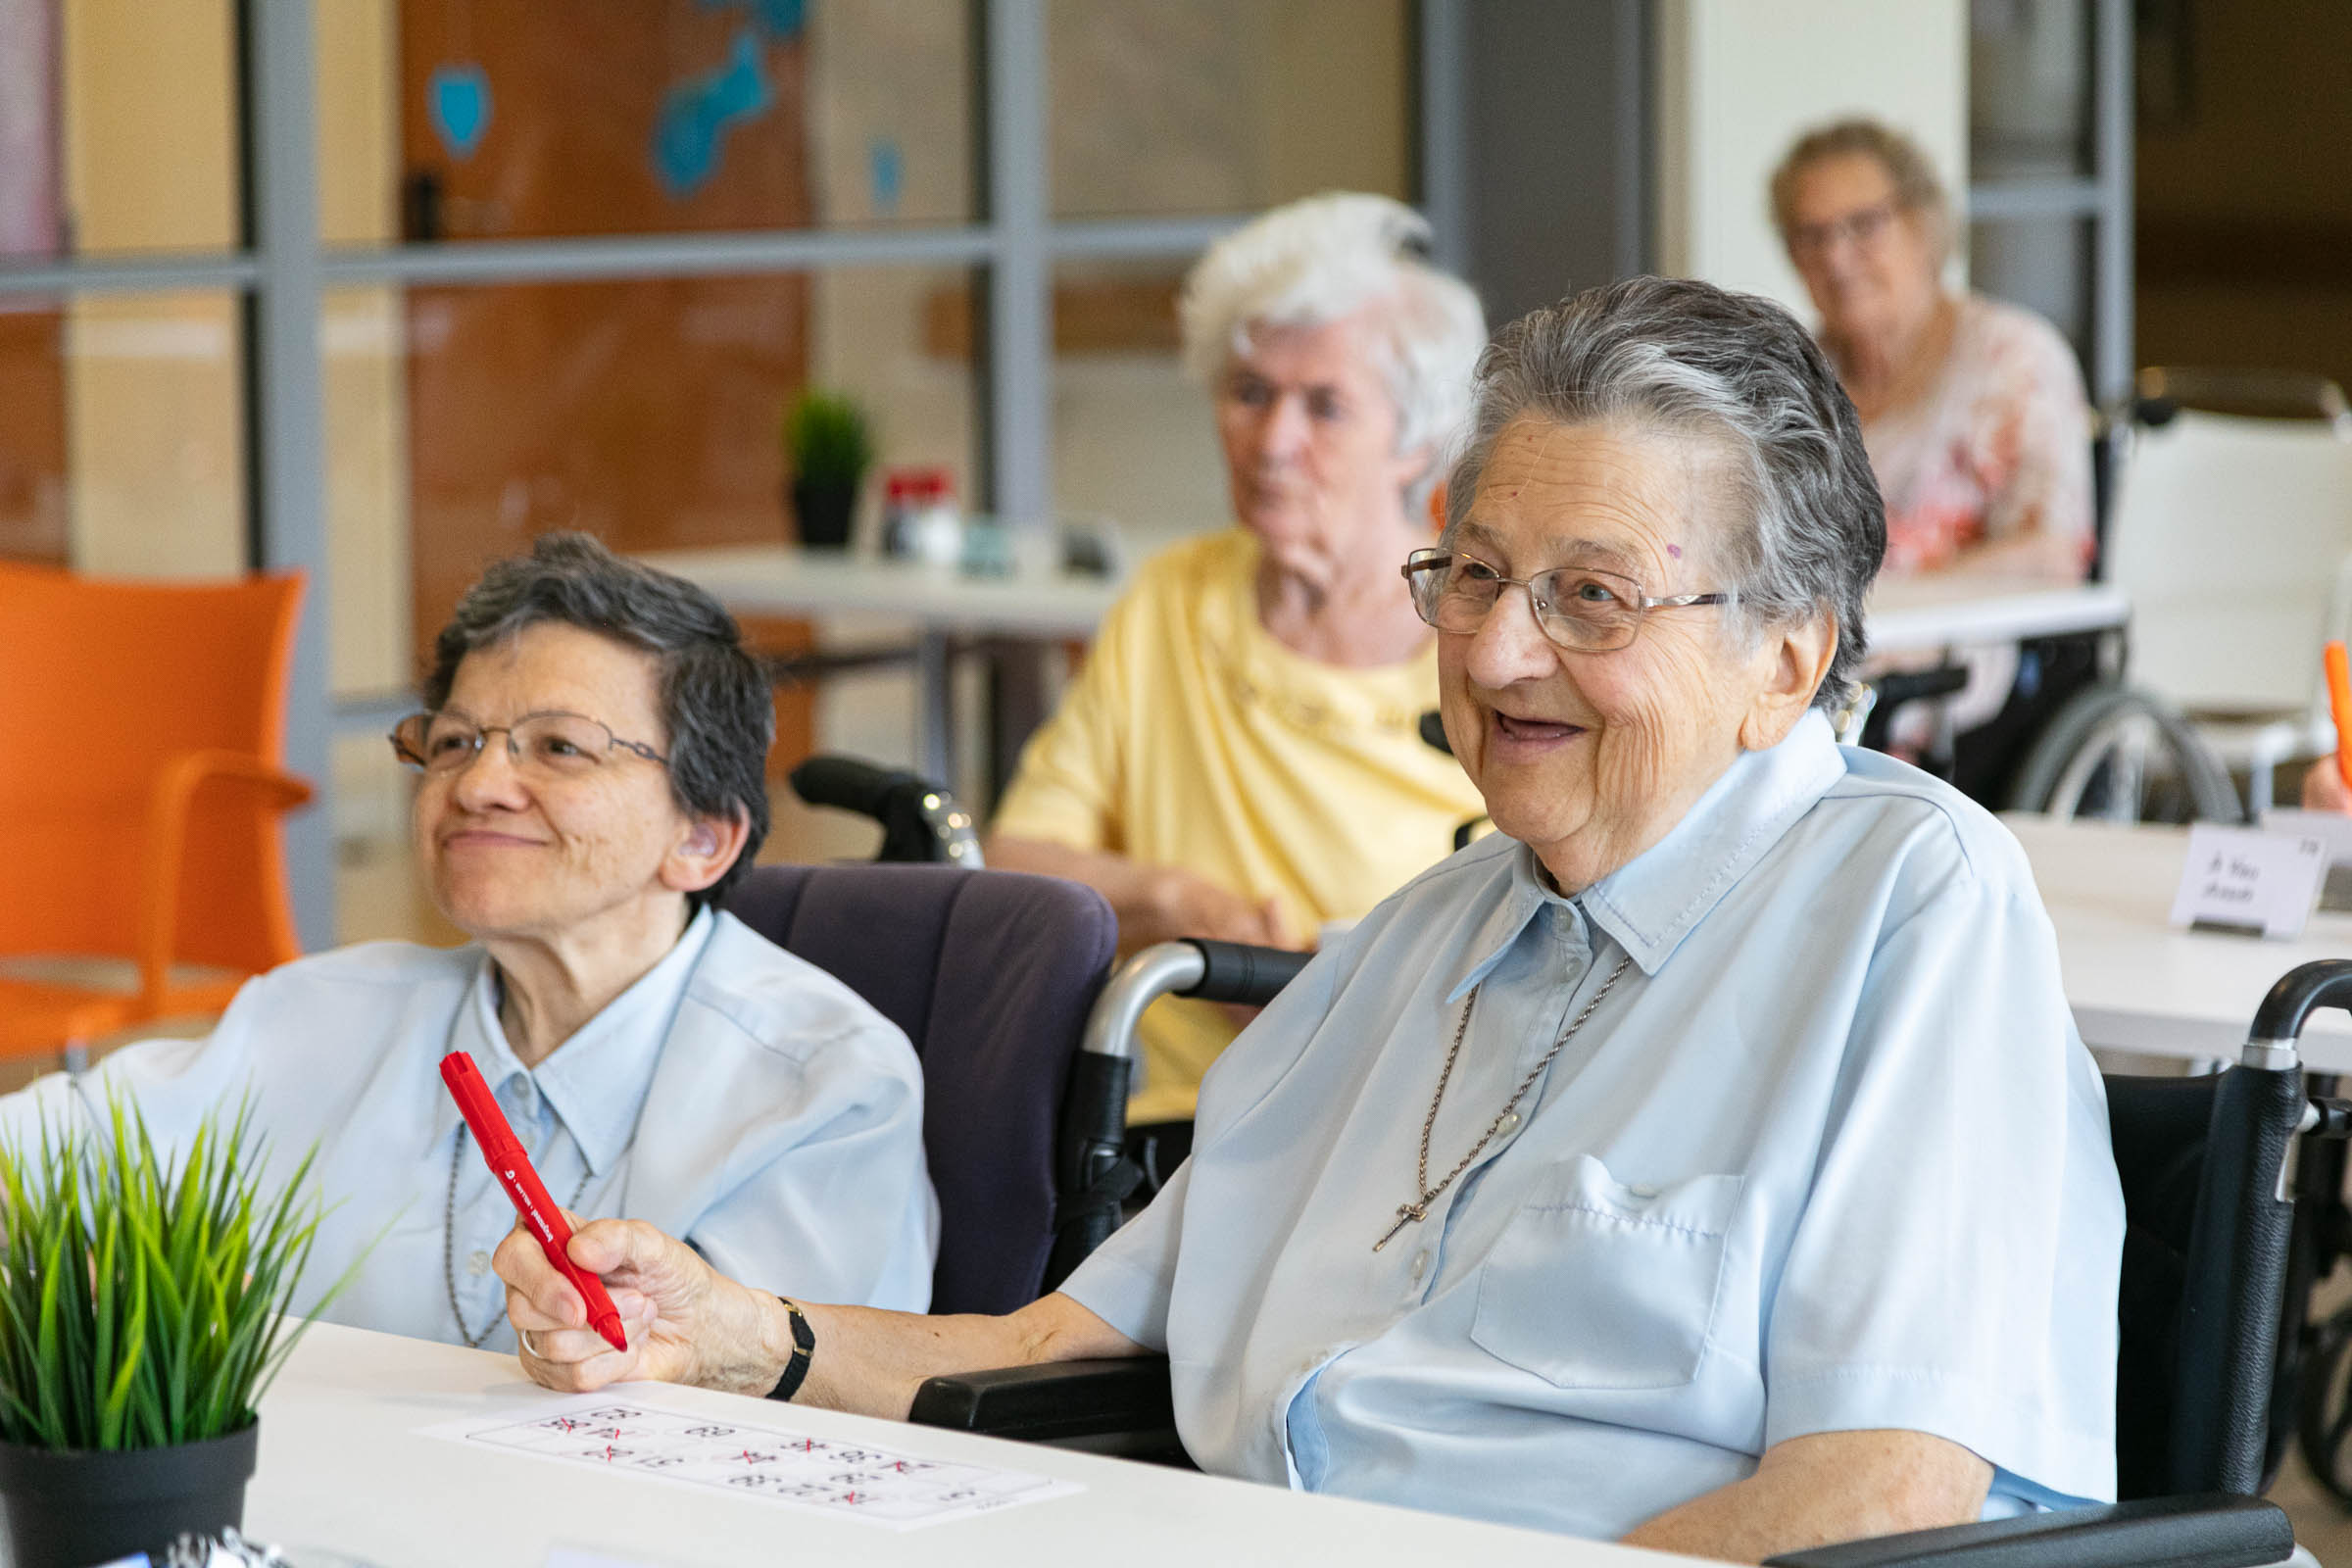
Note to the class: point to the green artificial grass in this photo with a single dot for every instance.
(145, 1302)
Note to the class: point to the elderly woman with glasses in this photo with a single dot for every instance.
(592, 759)
(1705, 1158)
(1241, 754)
(1973, 410)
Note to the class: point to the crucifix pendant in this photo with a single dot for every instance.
(1407, 1215)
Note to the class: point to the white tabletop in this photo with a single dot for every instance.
(2134, 982)
(785, 580)
(1912, 614)
(1903, 615)
(341, 1469)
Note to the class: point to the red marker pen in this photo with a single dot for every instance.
(512, 1168)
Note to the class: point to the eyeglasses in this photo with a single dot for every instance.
(1863, 227)
(1581, 608)
(545, 746)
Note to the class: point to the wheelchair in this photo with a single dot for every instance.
(2220, 1368)
(2217, 1253)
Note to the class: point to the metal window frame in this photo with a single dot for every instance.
(284, 271)
(2105, 199)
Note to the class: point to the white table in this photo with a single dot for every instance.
(941, 602)
(2134, 982)
(1922, 613)
(341, 1469)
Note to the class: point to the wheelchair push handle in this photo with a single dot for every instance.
(921, 821)
(852, 785)
(1236, 971)
(2279, 1020)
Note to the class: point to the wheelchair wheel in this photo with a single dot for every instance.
(2124, 755)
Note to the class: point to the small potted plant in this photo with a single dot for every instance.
(828, 448)
(144, 1304)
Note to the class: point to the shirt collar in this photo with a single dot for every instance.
(1653, 902)
(595, 1082)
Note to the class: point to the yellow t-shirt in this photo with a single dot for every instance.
(1192, 738)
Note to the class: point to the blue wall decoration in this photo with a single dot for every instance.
(696, 116)
(456, 99)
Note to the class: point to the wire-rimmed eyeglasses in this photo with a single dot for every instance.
(1582, 608)
(1863, 226)
(540, 745)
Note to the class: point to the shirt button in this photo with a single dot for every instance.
(479, 1264)
(1420, 1265)
(1508, 1124)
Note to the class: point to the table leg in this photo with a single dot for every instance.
(1019, 691)
(935, 716)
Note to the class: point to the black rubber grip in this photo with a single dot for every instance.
(2321, 983)
(1911, 686)
(849, 784)
(1235, 972)
(1433, 731)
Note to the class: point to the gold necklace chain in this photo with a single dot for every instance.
(1415, 1212)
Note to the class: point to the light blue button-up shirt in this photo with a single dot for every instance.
(1830, 1157)
(734, 1095)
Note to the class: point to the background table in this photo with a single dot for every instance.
(1922, 614)
(943, 605)
(2137, 983)
(1918, 615)
(340, 1469)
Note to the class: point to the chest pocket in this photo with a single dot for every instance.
(1598, 1284)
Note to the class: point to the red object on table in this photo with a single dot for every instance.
(513, 1167)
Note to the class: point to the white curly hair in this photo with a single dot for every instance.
(1311, 262)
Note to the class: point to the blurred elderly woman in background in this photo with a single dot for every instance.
(592, 781)
(1973, 409)
(1973, 412)
(1706, 1157)
(1240, 756)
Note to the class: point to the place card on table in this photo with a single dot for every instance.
(2247, 882)
(2332, 828)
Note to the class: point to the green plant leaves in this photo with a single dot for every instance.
(146, 1301)
(826, 441)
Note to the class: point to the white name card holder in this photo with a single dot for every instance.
(2244, 882)
(2332, 828)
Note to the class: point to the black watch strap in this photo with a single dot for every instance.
(804, 1347)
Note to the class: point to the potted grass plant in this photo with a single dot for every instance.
(144, 1304)
(828, 447)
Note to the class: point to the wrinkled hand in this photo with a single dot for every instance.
(1177, 904)
(685, 1322)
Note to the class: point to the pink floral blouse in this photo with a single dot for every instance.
(1999, 447)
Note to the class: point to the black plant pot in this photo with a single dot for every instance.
(71, 1507)
(823, 513)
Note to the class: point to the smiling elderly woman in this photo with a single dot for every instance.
(1706, 1157)
(592, 783)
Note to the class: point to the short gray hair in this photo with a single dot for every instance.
(714, 700)
(1686, 359)
(1314, 262)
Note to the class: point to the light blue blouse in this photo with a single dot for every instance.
(735, 1096)
(1830, 1157)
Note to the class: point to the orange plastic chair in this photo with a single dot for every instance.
(142, 737)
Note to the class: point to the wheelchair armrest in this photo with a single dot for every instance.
(1055, 1400)
(2203, 1530)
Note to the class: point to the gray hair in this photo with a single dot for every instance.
(714, 700)
(1735, 372)
(1314, 262)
